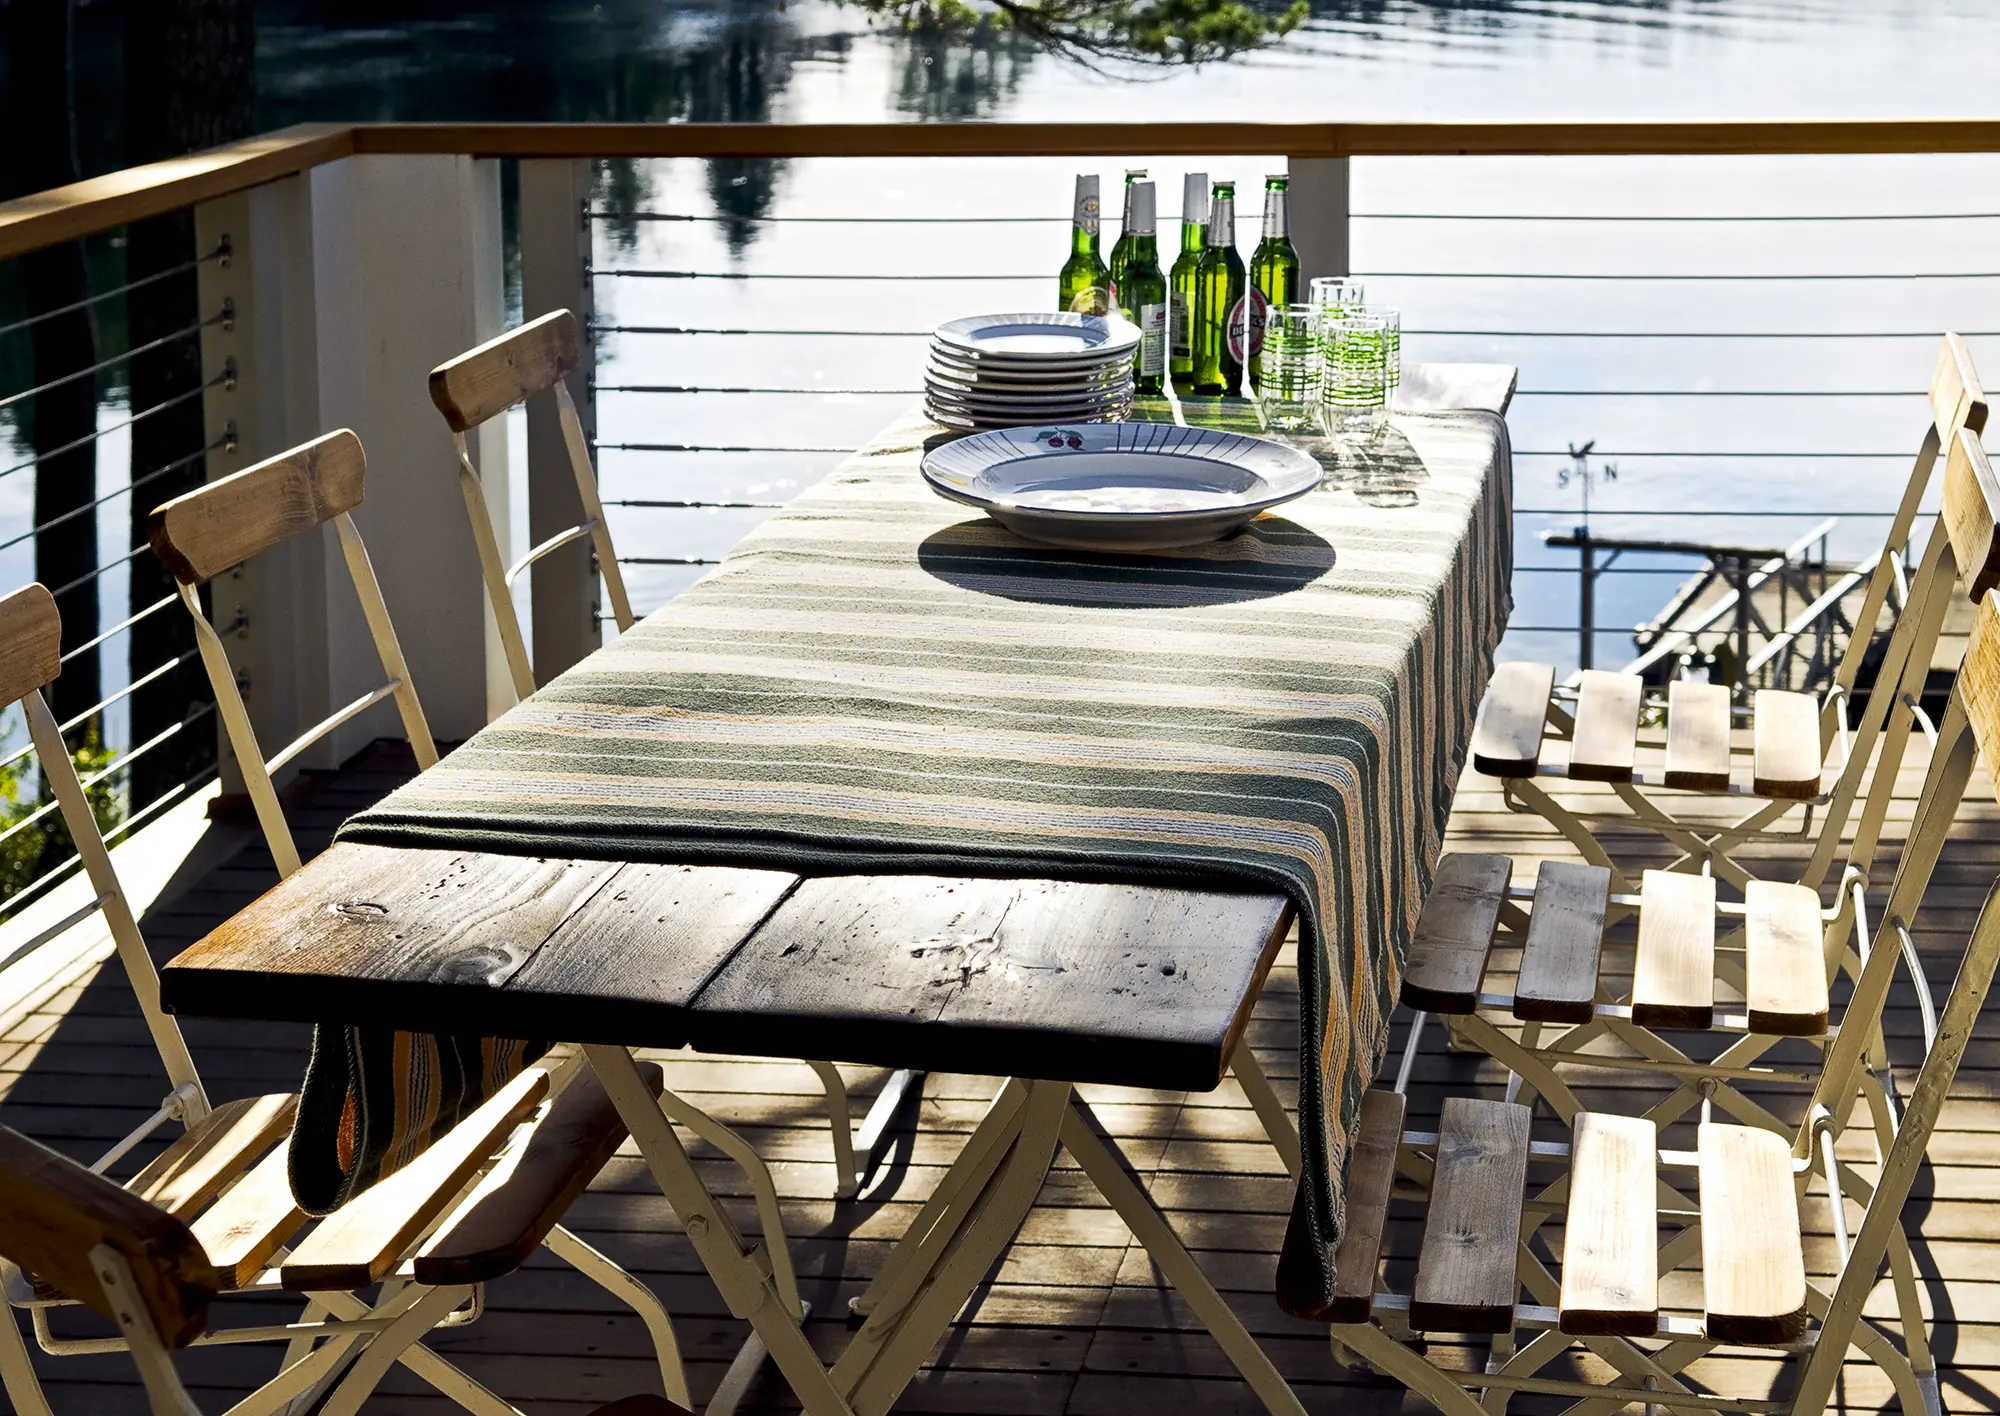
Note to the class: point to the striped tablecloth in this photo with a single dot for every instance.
(878, 680)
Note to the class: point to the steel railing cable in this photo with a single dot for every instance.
(723, 218)
(1929, 334)
(81, 719)
(141, 283)
(658, 273)
(176, 465)
(69, 867)
(160, 407)
(123, 760)
(122, 626)
(11, 399)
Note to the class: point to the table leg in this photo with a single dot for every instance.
(897, 1337)
(1151, 1229)
(744, 1286)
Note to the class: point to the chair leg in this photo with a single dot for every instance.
(390, 1345)
(17, 1371)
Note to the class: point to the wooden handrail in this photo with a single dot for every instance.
(66, 213)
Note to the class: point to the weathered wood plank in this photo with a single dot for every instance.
(1142, 986)
(1673, 976)
(489, 380)
(1610, 1257)
(1697, 736)
(394, 937)
(30, 642)
(1753, 1267)
(1454, 932)
(1465, 1272)
(1785, 744)
(225, 523)
(1558, 979)
(1605, 745)
(242, 1230)
(1507, 741)
(1784, 960)
(1370, 1177)
(213, 1152)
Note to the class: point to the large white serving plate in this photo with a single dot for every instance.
(1039, 337)
(944, 372)
(1119, 486)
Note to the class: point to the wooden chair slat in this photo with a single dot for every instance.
(1752, 1258)
(1605, 745)
(213, 1152)
(1371, 1176)
(1979, 678)
(258, 1216)
(30, 642)
(1957, 400)
(1610, 1260)
(642, 1406)
(1454, 932)
(1698, 736)
(1785, 736)
(1784, 961)
(1466, 1280)
(485, 382)
(1558, 979)
(225, 523)
(1673, 978)
(53, 1213)
(512, 1210)
(362, 1241)
(1507, 742)
(1971, 508)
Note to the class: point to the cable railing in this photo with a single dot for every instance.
(105, 422)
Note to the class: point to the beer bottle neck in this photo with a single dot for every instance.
(1277, 215)
(1194, 235)
(1222, 222)
(1145, 251)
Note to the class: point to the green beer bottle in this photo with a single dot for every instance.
(1084, 287)
(1142, 290)
(1121, 249)
(1274, 267)
(1218, 301)
(1180, 284)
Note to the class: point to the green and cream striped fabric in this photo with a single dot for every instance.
(881, 680)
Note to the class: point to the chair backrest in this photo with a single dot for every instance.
(224, 524)
(1958, 407)
(54, 1213)
(1978, 699)
(485, 382)
(30, 658)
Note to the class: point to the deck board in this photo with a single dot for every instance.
(1074, 1321)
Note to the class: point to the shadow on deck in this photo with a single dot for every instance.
(1074, 1319)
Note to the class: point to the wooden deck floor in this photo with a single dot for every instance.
(1074, 1320)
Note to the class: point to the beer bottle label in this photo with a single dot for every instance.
(1152, 340)
(1259, 312)
(1086, 214)
(1178, 331)
(1093, 300)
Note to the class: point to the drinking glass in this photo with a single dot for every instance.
(1288, 369)
(1392, 323)
(1354, 393)
(1335, 296)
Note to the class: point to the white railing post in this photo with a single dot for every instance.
(349, 284)
(1319, 210)
(555, 256)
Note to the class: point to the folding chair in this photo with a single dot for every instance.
(482, 384)
(133, 1262)
(1792, 733)
(1740, 1215)
(454, 1216)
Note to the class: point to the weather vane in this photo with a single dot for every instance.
(1582, 472)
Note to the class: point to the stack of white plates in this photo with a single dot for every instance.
(1001, 371)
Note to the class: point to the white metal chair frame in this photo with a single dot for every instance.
(1958, 402)
(325, 478)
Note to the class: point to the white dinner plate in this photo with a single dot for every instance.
(1052, 404)
(1119, 486)
(984, 369)
(1039, 337)
(942, 372)
(967, 421)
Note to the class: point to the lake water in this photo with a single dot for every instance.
(1768, 397)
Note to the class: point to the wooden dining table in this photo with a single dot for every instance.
(1041, 984)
